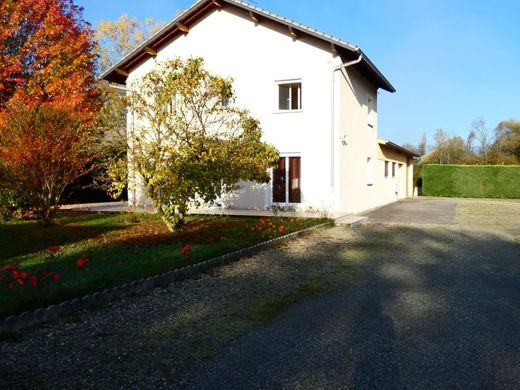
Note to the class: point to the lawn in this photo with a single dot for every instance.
(98, 251)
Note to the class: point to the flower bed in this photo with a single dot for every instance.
(93, 252)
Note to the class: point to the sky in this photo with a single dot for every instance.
(451, 61)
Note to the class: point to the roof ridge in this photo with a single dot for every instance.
(381, 80)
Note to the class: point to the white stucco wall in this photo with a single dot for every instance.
(256, 56)
(333, 175)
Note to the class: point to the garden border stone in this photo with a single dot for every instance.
(15, 323)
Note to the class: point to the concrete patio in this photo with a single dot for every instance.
(118, 207)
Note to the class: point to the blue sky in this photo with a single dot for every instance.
(451, 61)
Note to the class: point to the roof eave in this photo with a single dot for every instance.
(115, 73)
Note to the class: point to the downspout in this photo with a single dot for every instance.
(332, 119)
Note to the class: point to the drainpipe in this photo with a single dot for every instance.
(332, 119)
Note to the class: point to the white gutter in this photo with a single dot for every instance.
(118, 87)
(332, 121)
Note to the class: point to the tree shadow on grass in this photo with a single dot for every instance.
(21, 238)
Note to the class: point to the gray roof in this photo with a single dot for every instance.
(157, 40)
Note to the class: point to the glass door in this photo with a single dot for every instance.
(287, 180)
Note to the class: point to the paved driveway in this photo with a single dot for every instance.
(417, 211)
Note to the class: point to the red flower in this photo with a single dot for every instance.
(53, 249)
(281, 229)
(8, 268)
(16, 274)
(24, 275)
(33, 280)
(20, 282)
(186, 250)
(56, 277)
(81, 262)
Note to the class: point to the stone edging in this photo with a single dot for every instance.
(26, 319)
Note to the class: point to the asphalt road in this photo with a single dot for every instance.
(438, 307)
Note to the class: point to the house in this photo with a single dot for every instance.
(315, 96)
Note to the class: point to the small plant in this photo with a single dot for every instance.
(268, 229)
(12, 277)
(186, 250)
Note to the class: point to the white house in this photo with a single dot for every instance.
(315, 96)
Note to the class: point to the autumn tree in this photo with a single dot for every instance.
(506, 146)
(114, 40)
(189, 143)
(49, 98)
(117, 38)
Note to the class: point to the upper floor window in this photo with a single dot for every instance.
(289, 96)
(370, 111)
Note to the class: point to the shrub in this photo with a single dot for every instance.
(472, 181)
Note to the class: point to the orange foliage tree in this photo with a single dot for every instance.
(49, 99)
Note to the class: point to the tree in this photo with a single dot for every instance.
(506, 146)
(49, 98)
(478, 126)
(441, 150)
(114, 41)
(470, 139)
(118, 38)
(45, 148)
(189, 144)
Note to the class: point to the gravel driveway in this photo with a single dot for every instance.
(377, 306)
(417, 211)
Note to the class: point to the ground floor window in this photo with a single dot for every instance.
(287, 180)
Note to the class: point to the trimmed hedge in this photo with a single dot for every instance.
(472, 181)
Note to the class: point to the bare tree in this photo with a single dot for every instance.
(441, 143)
(482, 135)
(470, 140)
(423, 145)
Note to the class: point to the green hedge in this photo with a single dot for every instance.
(472, 181)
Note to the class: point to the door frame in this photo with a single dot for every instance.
(286, 156)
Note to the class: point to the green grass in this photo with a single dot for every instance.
(120, 248)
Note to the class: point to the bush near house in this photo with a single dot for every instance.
(472, 181)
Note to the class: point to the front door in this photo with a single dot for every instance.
(287, 180)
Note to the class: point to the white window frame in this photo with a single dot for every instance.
(278, 83)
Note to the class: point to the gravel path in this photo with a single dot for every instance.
(421, 319)
(380, 306)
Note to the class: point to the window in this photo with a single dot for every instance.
(370, 111)
(370, 172)
(290, 96)
(386, 168)
(286, 180)
(393, 169)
